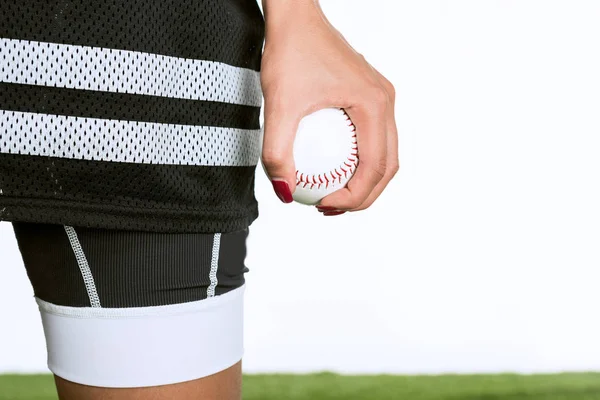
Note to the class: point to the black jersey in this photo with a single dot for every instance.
(137, 114)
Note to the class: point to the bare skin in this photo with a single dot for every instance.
(225, 385)
(308, 65)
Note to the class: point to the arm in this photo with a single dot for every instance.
(308, 65)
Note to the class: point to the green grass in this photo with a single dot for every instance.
(326, 386)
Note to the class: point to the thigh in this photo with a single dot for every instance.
(131, 313)
(225, 385)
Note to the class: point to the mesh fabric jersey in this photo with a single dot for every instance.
(138, 115)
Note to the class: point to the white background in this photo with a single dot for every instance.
(483, 255)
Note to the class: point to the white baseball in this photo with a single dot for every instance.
(325, 153)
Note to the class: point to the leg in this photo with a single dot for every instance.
(139, 315)
(225, 385)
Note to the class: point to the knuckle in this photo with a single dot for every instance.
(394, 168)
(390, 89)
(354, 204)
(380, 168)
(379, 97)
(272, 158)
(361, 207)
(387, 85)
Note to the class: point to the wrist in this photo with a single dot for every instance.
(282, 12)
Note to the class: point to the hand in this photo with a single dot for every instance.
(308, 65)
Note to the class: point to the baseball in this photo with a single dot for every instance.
(325, 153)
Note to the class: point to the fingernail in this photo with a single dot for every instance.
(333, 213)
(326, 208)
(282, 190)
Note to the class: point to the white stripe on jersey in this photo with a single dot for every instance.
(124, 71)
(127, 141)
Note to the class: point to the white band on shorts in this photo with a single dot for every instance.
(144, 346)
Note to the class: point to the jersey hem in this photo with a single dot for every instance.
(125, 218)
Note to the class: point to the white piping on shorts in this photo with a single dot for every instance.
(214, 265)
(84, 267)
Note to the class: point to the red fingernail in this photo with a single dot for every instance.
(282, 190)
(333, 213)
(325, 208)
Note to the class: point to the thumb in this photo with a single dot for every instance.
(278, 152)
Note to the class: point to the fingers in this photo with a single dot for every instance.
(278, 151)
(370, 120)
(391, 169)
(393, 163)
(347, 199)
